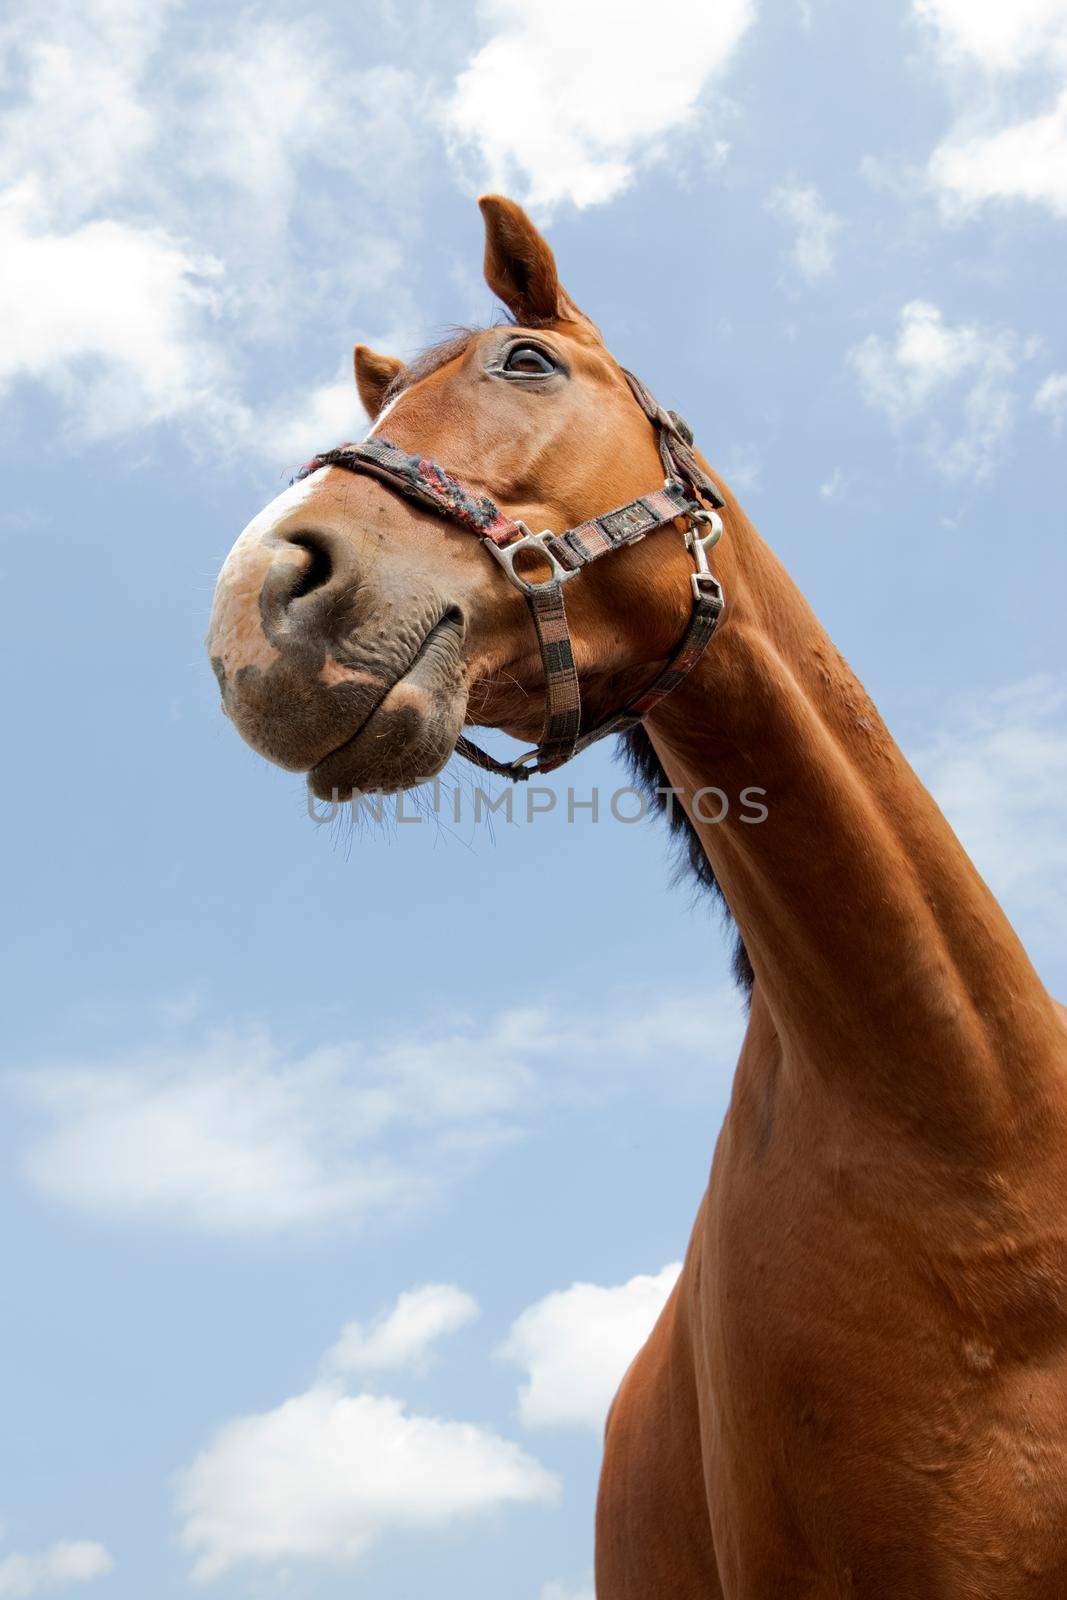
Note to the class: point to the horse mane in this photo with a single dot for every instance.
(647, 772)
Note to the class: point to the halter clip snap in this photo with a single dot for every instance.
(705, 584)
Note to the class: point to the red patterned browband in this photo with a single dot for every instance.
(426, 481)
(419, 479)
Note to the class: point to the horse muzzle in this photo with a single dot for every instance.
(330, 665)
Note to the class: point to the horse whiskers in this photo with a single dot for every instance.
(482, 688)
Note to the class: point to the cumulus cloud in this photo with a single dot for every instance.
(964, 369)
(1026, 161)
(1000, 149)
(268, 110)
(64, 1563)
(576, 1344)
(146, 197)
(109, 317)
(280, 114)
(402, 1338)
(112, 314)
(76, 117)
(231, 1135)
(1000, 38)
(574, 124)
(815, 227)
(999, 772)
(326, 1474)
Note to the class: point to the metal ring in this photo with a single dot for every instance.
(505, 554)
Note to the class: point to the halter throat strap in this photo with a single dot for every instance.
(687, 493)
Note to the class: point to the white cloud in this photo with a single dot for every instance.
(1026, 161)
(295, 429)
(573, 123)
(1000, 148)
(75, 115)
(966, 370)
(273, 115)
(816, 228)
(66, 1562)
(576, 1344)
(266, 109)
(147, 197)
(833, 486)
(999, 772)
(1051, 397)
(232, 1136)
(107, 316)
(999, 37)
(562, 1591)
(326, 1474)
(113, 314)
(402, 1338)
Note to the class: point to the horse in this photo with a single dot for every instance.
(858, 1386)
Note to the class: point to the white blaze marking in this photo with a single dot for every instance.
(265, 521)
(380, 418)
(237, 630)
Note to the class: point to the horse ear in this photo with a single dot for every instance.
(519, 266)
(374, 374)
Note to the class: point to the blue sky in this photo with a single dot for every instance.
(340, 1185)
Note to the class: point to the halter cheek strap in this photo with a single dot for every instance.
(505, 538)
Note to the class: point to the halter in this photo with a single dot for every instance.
(504, 537)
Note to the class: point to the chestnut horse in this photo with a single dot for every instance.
(859, 1385)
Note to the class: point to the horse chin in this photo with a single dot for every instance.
(406, 741)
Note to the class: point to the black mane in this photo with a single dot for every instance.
(648, 775)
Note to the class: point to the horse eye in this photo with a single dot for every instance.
(527, 358)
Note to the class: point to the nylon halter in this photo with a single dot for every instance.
(683, 495)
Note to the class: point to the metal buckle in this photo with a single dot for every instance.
(506, 553)
(705, 584)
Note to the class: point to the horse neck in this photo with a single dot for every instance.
(878, 950)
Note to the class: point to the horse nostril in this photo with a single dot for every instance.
(319, 568)
(311, 586)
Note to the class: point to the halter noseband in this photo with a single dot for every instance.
(686, 486)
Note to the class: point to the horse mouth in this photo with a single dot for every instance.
(410, 732)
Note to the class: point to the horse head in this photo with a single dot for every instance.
(356, 630)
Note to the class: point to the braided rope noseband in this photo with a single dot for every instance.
(687, 485)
